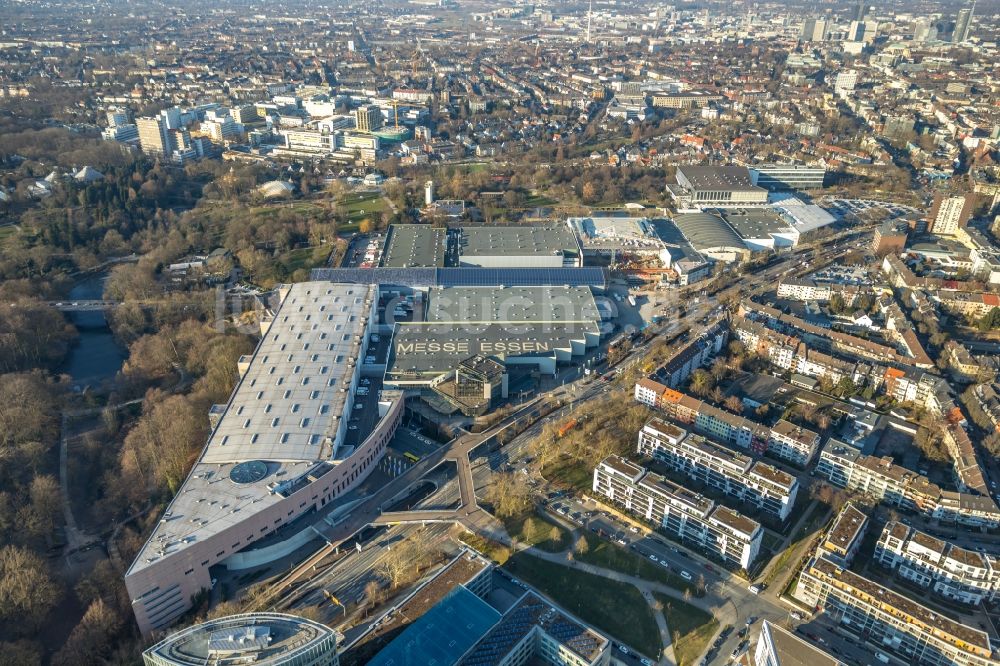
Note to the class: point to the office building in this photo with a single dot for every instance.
(908, 630)
(264, 639)
(846, 80)
(784, 177)
(890, 238)
(862, 11)
(950, 213)
(368, 118)
(729, 472)
(950, 571)
(685, 515)
(925, 30)
(476, 385)
(778, 647)
(462, 629)
(153, 138)
(814, 30)
(278, 451)
(963, 24)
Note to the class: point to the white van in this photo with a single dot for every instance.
(755, 589)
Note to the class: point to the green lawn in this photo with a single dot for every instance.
(361, 205)
(615, 608)
(536, 530)
(571, 472)
(813, 522)
(307, 257)
(608, 555)
(691, 627)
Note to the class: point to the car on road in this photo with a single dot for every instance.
(665, 564)
(755, 589)
(686, 576)
(751, 620)
(653, 557)
(623, 649)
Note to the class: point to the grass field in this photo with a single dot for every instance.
(536, 530)
(605, 554)
(810, 525)
(690, 627)
(615, 608)
(362, 204)
(570, 472)
(305, 258)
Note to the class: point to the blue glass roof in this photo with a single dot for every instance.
(443, 634)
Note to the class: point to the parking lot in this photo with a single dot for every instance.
(860, 207)
(364, 251)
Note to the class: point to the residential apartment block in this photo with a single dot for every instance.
(792, 442)
(879, 478)
(914, 633)
(784, 440)
(693, 355)
(685, 515)
(843, 539)
(946, 569)
(732, 473)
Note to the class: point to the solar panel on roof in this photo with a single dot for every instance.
(587, 276)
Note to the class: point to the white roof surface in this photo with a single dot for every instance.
(285, 412)
(804, 217)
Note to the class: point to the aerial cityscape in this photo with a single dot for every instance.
(454, 332)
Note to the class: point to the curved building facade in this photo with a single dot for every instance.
(263, 639)
(278, 451)
(712, 236)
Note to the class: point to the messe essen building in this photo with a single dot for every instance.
(537, 326)
(277, 452)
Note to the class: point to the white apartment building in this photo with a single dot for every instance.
(804, 290)
(733, 473)
(881, 479)
(956, 573)
(912, 632)
(792, 443)
(687, 516)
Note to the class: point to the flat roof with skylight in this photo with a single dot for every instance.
(283, 420)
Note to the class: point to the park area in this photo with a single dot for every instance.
(617, 609)
(690, 628)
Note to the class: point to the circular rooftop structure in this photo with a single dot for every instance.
(263, 639)
(393, 134)
(250, 471)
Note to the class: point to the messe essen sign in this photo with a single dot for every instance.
(484, 347)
